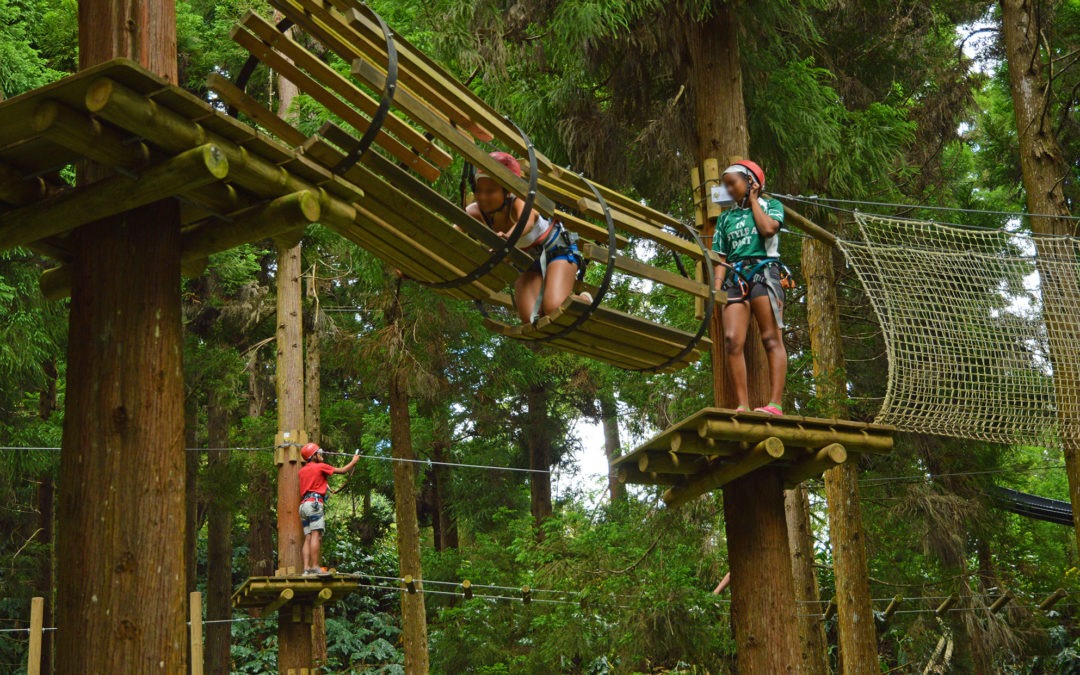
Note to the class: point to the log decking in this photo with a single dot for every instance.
(716, 446)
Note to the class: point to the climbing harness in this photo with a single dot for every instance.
(752, 271)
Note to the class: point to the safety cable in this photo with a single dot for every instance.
(1020, 214)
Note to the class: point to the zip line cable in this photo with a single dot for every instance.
(811, 199)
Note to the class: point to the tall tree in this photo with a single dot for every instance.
(1045, 173)
(124, 417)
(813, 652)
(219, 549)
(313, 421)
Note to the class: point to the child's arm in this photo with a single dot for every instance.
(719, 274)
(348, 467)
(515, 212)
(767, 226)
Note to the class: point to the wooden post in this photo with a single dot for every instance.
(762, 584)
(33, 654)
(124, 406)
(813, 645)
(196, 633)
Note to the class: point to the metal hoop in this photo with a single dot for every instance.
(252, 62)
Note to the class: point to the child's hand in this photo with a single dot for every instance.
(755, 190)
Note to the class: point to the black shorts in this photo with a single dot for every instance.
(764, 284)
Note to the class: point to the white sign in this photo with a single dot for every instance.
(720, 196)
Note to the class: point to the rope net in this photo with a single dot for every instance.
(982, 329)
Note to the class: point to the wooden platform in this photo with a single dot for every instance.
(264, 595)
(716, 446)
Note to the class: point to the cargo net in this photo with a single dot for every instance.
(982, 329)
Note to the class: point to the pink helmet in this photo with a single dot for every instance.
(506, 160)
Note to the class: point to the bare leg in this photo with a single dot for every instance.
(316, 548)
(736, 323)
(773, 342)
(306, 551)
(526, 290)
(558, 285)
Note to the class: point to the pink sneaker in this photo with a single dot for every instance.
(771, 409)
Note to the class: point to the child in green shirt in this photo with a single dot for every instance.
(746, 238)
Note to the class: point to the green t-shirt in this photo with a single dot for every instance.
(737, 236)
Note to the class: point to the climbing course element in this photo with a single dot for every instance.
(715, 446)
(294, 595)
(966, 334)
(433, 241)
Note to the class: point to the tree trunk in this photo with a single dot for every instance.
(444, 524)
(259, 510)
(191, 493)
(294, 637)
(814, 648)
(538, 443)
(762, 586)
(313, 424)
(219, 541)
(609, 414)
(413, 616)
(121, 604)
(46, 502)
(857, 634)
(1045, 169)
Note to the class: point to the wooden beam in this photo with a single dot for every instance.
(631, 223)
(894, 605)
(765, 452)
(285, 214)
(797, 436)
(808, 226)
(633, 476)
(815, 464)
(668, 462)
(19, 191)
(196, 629)
(1001, 601)
(108, 197)
(1053, 599)
(33, 654)
(690, 442)
(123, 107)
(948, 604)
(322, 597)
(645, 271)
(280, 601)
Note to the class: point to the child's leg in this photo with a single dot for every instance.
(306, 552)
(316, 548)
(773, 342)
(736, 322)
(558, 285)
(526, 290)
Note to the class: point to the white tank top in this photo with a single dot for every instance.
(537, 234)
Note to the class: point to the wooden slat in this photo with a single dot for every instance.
(645, 271)
(589, 231)
(309, 86)
(238, 98)
(333, 81)
(632, 224)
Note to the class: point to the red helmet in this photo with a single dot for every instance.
(309, 450)
(506, 160)
(752, 167)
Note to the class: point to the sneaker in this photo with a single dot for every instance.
(585, 297)
(326, 572)
(310, 572)
(771, 409)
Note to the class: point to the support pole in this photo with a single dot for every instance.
(33, 654)
(196, 626)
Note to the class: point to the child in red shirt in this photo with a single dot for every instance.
(313, 485)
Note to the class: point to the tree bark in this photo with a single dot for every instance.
(609, 414)
(219, 541)
(294, 637)
(444, 523)
(121, 604)
(46, 502)
(762, 586)
(857, 634)
(814, 648)
(1045, 169)
(191, 493)
(313, 424)
(538, 444)
(260, 507)
(413, 615)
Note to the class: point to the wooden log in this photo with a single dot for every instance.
(108, 197)
(689, 442)
(808, 226)
(196, 629)
(466, 589)
(590, 231)
(1001, 601)
(946, 605)
(417, 144)
(285, 214)
(123, 107)
(277, 603)
(830, 609)
(309, 86)
(19, 191)
(322, 597)
(632, 476)
(449, 135)
(893, 605)
(321, 21)
(711, 170)
(1053, 599)
(670, 463)
(736, 430)
(815, 464)
(33, 653)
(645, 271)
(76, 131)
(765, 452)
(15, 129)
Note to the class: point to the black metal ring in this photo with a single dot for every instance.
(511, 241)
(706, 263)
(385, 103)
(252, 62)
(613, 252)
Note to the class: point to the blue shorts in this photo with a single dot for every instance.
(570, 254)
